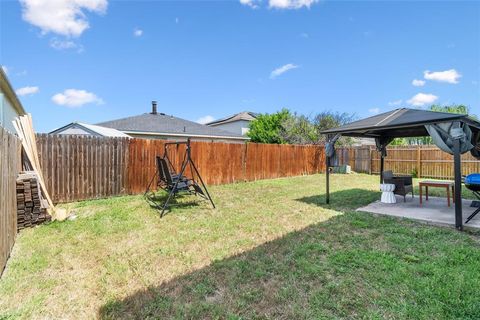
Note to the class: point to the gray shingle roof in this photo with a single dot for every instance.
(245, 115)
(164, 124)
(407, 122)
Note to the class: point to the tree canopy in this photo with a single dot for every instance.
(287, 127)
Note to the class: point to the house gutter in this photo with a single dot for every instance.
(10, 94)
(184, 135)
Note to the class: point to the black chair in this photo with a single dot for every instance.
(403, 183)
(167, 179)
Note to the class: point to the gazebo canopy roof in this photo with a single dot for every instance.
(400, 123)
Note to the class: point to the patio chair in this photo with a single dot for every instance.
(171, 181)
(403, 183)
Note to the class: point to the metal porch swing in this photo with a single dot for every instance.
(176, 183)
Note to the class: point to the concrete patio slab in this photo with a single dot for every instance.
(435, 210)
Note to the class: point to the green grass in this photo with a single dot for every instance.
(272, 249)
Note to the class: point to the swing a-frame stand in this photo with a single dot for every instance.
(176, 183)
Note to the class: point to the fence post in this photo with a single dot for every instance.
(370, 152)
(419, 161)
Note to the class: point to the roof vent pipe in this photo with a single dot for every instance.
(154, 107)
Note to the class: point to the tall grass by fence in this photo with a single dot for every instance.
(82, 167)
(10, 162)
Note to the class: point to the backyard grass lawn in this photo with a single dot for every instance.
(271, 250)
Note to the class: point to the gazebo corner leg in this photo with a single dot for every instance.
(458, 185)
(328, 179)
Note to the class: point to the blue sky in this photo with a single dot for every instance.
(103, 60)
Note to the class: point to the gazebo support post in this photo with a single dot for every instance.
(327, 162)
(382, 166)
(458, 184)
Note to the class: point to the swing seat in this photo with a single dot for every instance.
(174, 183)
(171, 181)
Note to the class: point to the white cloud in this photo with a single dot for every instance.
(395, 103)
(5, 69)
(60, 44)
(418, 83)
(374, 110)
(280, 70)
(290, 4)
(64, 17)
(25, 91)
(205, 119)
(449, 76)
(75, 98)
(137, 32)
(251, 3)
(304, 35)
(421, 99)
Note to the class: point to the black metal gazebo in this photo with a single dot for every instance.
(453, 133)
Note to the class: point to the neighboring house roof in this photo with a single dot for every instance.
(245, 115)
(93, 129)
(165, 125)
(10, 94)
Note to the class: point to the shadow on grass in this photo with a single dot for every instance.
(351, 266)
(343, 200)
(157, 200)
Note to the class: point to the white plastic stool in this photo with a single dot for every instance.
(387, 193)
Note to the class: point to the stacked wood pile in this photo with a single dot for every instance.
(31, 209)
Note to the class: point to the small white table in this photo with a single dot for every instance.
(387, 193)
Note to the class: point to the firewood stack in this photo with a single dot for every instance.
(31, 208)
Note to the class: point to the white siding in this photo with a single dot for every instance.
(7, 113)
(74, 130)
(238, 127)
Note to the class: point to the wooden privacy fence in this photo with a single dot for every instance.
(422, 161)
(83, 167)
(221, 163)
(10, 165)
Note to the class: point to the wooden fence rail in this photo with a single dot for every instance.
(10, 162)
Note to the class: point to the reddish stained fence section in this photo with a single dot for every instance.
(220, 163)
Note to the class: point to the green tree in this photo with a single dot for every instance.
(328, 120)
(298, 129)
(266, 128)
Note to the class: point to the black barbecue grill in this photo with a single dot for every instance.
(472, 182)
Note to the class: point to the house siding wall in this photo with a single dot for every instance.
(7, 113)
(75, 130)
(238, 127)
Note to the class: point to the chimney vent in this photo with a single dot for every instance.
(154, 107)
